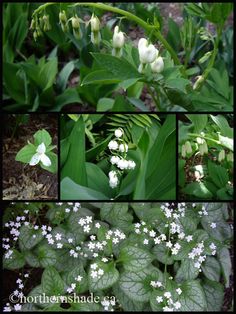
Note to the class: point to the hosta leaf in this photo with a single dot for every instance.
(135, 258)
(52, 284)
(29, 237)
(192, 297)
(110, 277)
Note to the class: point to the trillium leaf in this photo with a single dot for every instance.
(42, 136)
(26, 153)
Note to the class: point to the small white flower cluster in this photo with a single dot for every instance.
(96, 272)
(119, 149)
(108, 305)
(166, 299)
(73, 285)
(76, 207)
(86, 223)
(155, 284)
(197, 255)
(116, 236)
(203, 211)
(150, 234)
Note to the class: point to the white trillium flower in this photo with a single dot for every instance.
(40, 156)
(147, 53)
(158, 65)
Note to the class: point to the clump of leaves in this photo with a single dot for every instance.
(206, 151)
(147, 257)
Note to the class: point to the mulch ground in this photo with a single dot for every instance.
(21, 181)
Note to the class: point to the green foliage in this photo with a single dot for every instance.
(151, 144)
(212, 169)
(131, 269)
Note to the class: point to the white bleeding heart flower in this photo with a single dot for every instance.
(158, 65)
(118, 39)
(40, 156)
(147, 53)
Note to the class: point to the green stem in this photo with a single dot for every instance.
(42, 7)
(212, 60)
(156, 99)
(204, 137)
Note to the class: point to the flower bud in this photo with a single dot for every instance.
(33, 24)
(158, 65)
(188, 147)
(46, 26)
(200, 140)
(95, 24)
(62, 17)
(123, 148)
(113, 179)
(95, 38)
(75, 22)
(198, 82)
(147, 53)
(221, 155)
(35, 35)
(118, 40)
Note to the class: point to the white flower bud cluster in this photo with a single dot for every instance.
(119, 160)
(167, 300)
(148, 54)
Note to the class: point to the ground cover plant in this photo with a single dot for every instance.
(29, 157)
(118, 156)
(189, 68)
(206, 157)
(131, 256)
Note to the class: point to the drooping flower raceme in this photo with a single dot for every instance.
(118, 42)
(40, 156)
(119, 148)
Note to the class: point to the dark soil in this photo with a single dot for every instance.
(21, 181)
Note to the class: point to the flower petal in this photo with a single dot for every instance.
(41, 149)
(35, 159)
(45, 160)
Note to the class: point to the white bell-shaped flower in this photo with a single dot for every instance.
(119, 133)
(158, 65)
(40, 156)
(147, 53)
(95, 23)
(113, 145)
(118, 40)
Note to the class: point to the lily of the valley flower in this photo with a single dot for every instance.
(40, 156)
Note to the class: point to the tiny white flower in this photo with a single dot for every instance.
(114, 160)
(94, 274)
(179, 291)
(113, 145)
(94, 266)
(100, 272)
(119, 132)
(122, 164)
(17, 307)
(97, 225)
(189, 238)
(159, 299)
(145, 241)
(131, 164)
(167, 295)
(40, 156)
(157, 65)
(213, 225)
(58, 236)
(59, 245)
(177, 305)
(70, 240)
(78, 278)
(123, 148)
(212, 246)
